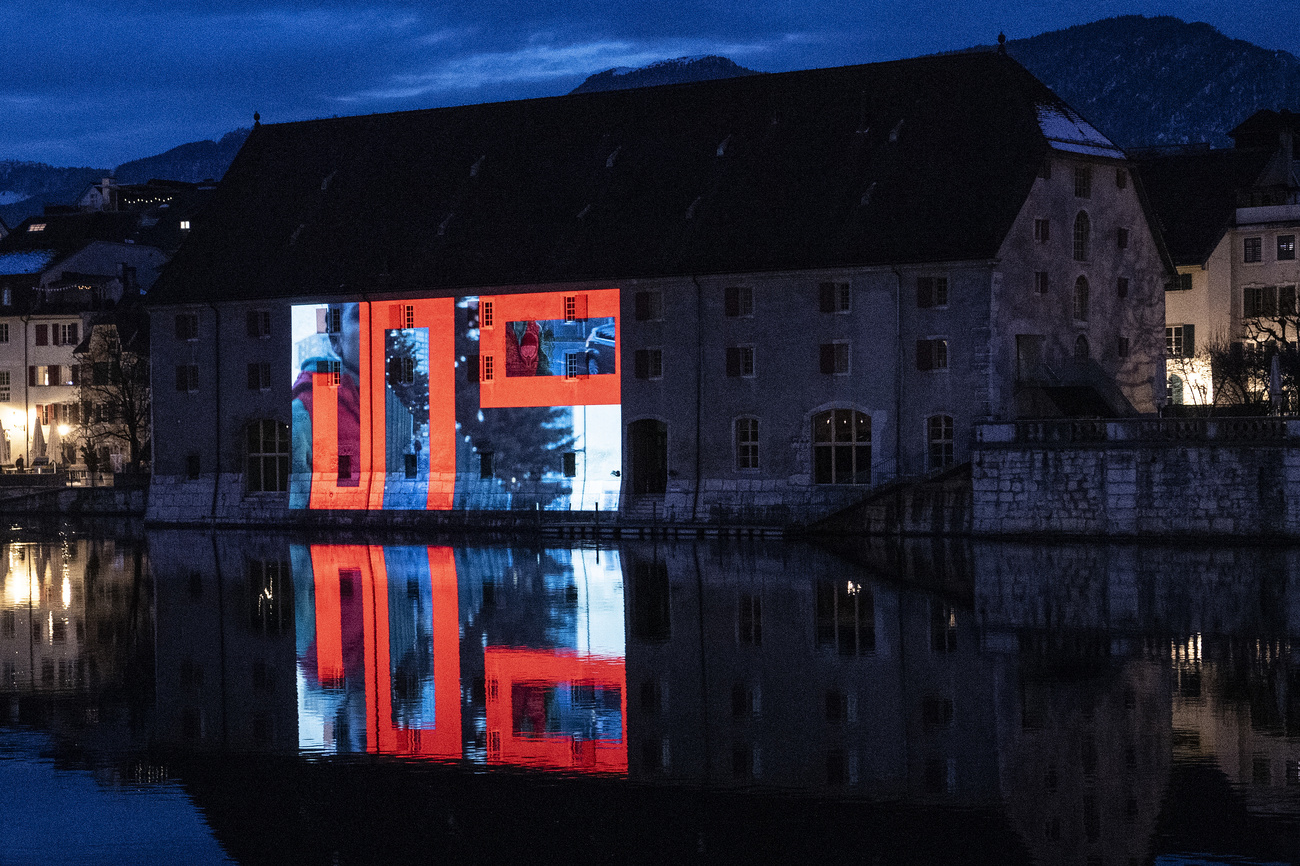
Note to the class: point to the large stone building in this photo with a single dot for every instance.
(753, 297)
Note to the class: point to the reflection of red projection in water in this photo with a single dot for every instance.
(556, 710)
(353, 643)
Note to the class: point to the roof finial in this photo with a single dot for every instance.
(257, 119)
(1002, 43)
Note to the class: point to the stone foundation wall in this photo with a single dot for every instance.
(1121, 479)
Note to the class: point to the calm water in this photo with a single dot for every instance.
(198, 698)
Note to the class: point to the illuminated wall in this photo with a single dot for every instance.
(492, 402)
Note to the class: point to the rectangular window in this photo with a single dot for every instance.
(1286, 301)
(1083, 181)
(408, 316)
(1045, 169)
(1286, 248)
(834, 297)
(42, 335)
(1253, 250)
(485, 464)
(932, 354)
(747, 443)
(835, 358)
(187, 377)
(740, 361)
(649, 363)
(485, 314)
(570, 308)
(1121, 238)
(1122, 347)
(187, 326)
(1040, 282)
(1180, 341)
(192, 466)
(259, 323)
(1042, 231)
(749, 619)
(1259, 301)
(489, 371)
(4, 332)
(649, 306)
(345, 467)
(575, 365)
(1121, 287)
(570, 461)
(1180, 283)
(931, 292)
(471, 368)
(259, 377)
(1121, 178)
(4, 386)
(738, 301)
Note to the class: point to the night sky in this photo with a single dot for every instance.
(97, 84)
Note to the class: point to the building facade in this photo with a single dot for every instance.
(748, 299)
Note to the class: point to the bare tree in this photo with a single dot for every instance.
(114, 394)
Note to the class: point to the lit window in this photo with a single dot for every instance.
(1286, 248)
(36, 227)
(747, 443)
(185, 225)
(841, 447)
(4, 386)
(1253, 250)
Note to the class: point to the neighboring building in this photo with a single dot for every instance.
(1230, 218)
(56, 272)
(753, 298)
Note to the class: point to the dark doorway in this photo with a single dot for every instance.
(648, 440)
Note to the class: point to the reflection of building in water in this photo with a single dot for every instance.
(1237, 701)
(743, 672)
(225, 658)
(68, 611)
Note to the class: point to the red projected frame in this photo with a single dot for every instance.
(503, 391)
(504, 667)
(328, 562)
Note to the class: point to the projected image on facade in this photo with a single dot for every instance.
(501, 402)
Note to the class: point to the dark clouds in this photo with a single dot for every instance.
(99, 84)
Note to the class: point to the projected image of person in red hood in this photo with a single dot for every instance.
(343, 327)
(524, 353)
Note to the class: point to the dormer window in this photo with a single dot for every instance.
(36, 227)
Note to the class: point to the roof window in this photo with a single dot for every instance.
(36, 227)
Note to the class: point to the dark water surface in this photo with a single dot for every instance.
(189, 697)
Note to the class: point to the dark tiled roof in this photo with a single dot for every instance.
(1194, 195)
(912, 161)
(68, 232)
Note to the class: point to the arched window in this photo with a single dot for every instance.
(1081, 348)
(268, 457)
(841, 447)
(939, 439)
(1174, 391)
(1081, 299)
(1082, 230)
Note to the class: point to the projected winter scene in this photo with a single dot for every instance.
(491, 402)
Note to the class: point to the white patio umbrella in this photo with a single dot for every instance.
(38, 440)
(55, 446)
